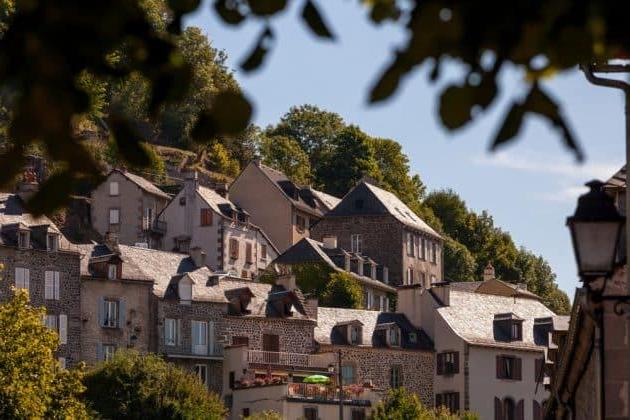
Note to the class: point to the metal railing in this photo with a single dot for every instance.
(215, 349)
(322, 393)
(155, 226)
(288, 359)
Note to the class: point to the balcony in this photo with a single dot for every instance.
(157, 227)
(352, 394)
(213, 352)
(319, 362)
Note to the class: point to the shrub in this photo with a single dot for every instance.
(342, 291)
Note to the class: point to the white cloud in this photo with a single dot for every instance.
(564, 195)
(544, 165)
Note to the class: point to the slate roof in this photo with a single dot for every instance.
(303, 198)
(474, 286)
(328, 318)
(471, 316)
(311, 251)
(143, 183)
(375, 200)
(14, 215)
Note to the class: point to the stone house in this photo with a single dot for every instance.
(200, 217)
(489, 351)
(285, 211)
(128, 205)
(37, 257)
(374, 222)
(371, 276)
(380, 348)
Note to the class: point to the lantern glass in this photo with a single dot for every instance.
(595, 246)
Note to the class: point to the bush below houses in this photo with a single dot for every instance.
(403, 405)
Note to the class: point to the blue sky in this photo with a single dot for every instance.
(529, 187)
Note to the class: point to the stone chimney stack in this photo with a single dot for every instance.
(28, 186)
(198, 256)
(111, 241)
(330, 242)
(191, 184)
(443, 291)
(488, 272)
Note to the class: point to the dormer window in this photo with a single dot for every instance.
(355, 335)
(24, 239)
(300, 223)
(52, 242)
(394, 336)
(112, 271)
(185, 291)
(508, 327)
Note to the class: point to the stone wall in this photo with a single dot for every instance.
(38, 262)
(296, 336)
(374, 364)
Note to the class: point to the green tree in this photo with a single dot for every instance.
(286, 155)
(342, 291)
(32, 384)
(459, 263)
(264, 415)
(401, 404)
(135, 386)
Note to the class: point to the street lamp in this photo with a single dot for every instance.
(595, 229)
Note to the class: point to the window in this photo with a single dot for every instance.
(448, 363)
(233, 248)
(508, 367)
(112, 271)
(148, 218)
(249, 255)
(300, 223)
(427, 248)
(423, 253)
(409, 279)
(394, 336)
(171, 331)
(114, 216)
(355, 335)
(358, 414)
(263, 252)
(356, 243)
(201, 371)
(410, 245)
(206, 217)
(395, 376)
(23, 239)
(108, 351)
(22, 278)
(51, 322)
(348, 374)
(370, 299)
(52, 242)
(51, 285)
(310, 413)
(449, 400)
(199, 337)
(113, 188)
(509, 410)
(111, 313)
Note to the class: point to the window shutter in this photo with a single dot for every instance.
(101, 312)
(210, 337)
(456, 356)
(27, 279)
(498, 409)
(520, 410)
(63, 329)
(122, 314)
(99, 352)
(440, 364)
(119, 270)
(49, 292)
(57, 285)
(518, 365)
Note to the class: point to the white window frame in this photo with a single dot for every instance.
(199, 337)
(149, 216)
(52, 242)
(51, 285)
(201, 371)
(24, 241)
(112, 271)
(22, 278)
(108, 351)
(114, 216)
(52, 322)
(111, 313)
(370, 299)
(394, 376)
(114, 188)
(410, 245)
(170, 332)
(356, 242)
(393, 332)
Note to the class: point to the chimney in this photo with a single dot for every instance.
(287, 281)
(312, 303)
(198, 256)
(111, 241)
(443, 292)
(488, 272)
(330, 242)
(28, 186)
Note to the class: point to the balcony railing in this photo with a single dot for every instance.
(319, 361)
(215, 349)
(154, 226)
(325, 393)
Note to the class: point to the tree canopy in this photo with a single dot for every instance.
(401, 404)
(342, 291)
(135, 386)
(32, 383)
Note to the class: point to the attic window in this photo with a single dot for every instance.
(24, 239)
(355, 335)
(112, 271)
(52, 242)
(393, 336)
(508, 327)
(358, 204)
